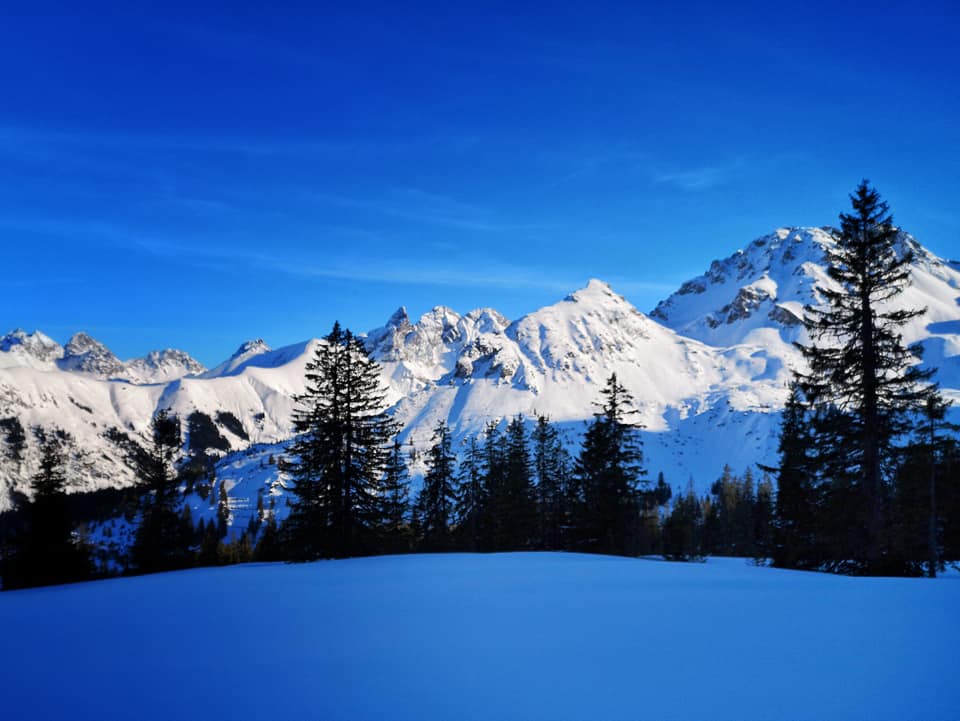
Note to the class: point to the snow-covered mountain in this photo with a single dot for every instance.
(241, 357)
(88, 356)
(162, 366)
(708, 369)
(19, 348)
(759, 291)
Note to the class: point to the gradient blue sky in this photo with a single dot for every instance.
(194, 177)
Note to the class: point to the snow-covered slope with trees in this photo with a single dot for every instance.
(708, 369)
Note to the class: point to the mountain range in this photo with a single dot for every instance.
(708, 369)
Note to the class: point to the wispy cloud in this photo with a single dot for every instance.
(20, 138)
(361, 267)
(383, 269)
(30, 140)
(693, 179)
(90, 231)
(576, 165)
(420, 206)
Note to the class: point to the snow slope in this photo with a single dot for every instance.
(500, 636)
(708, 369)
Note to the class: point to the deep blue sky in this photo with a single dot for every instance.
(193, 178)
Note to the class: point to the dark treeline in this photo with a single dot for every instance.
(866, 480)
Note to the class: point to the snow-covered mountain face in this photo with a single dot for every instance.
(90, 357)
(708, 369)
(241, 357)
(162, 366)
(19, 348)
(757, 296)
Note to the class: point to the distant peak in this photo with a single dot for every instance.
(87, 354)
(255, 346)
(82, 338)
(82, 343)
(594, 289)
(156, 357)
(597, 284)
(36, 344)
(441, 314)
(399, 318)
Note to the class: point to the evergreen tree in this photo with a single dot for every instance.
(917, 526)
(512, 499)
(683, 528)
(223, 509)
(763, 519)
(863, 382)
(436, 500)
(46, 551)
(720, 531)
(395, 503)
(207, 554)
(609, 475)
(160, 543)
(551, 464)
(237, 551)
(745, 538)
(652, 502)
(339, 455)
(493, 452)
(268, 547)
(797, 541)
(471, 501)
(948, 500)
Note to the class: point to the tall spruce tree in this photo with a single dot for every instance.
(513, 500)
(763, 520)
(395, 501)
(863, 383)
(161, 543)
(551, 464)
(609, 474)
(471, 501)
(338, 458)
(493, 452)
(46, 551)
(797, 535)
(437, 497)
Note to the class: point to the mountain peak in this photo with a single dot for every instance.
(88, 355)
(596, 290)
(399, 318)
(251, 347)
(36, 345)
(161, 366)
(764, 288)
(81, 341)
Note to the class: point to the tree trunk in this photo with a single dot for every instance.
(871, 458)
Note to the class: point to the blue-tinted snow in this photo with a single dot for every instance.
(511, 636)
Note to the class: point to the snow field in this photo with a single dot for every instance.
(503, 636)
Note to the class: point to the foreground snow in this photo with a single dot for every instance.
(509, 636)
